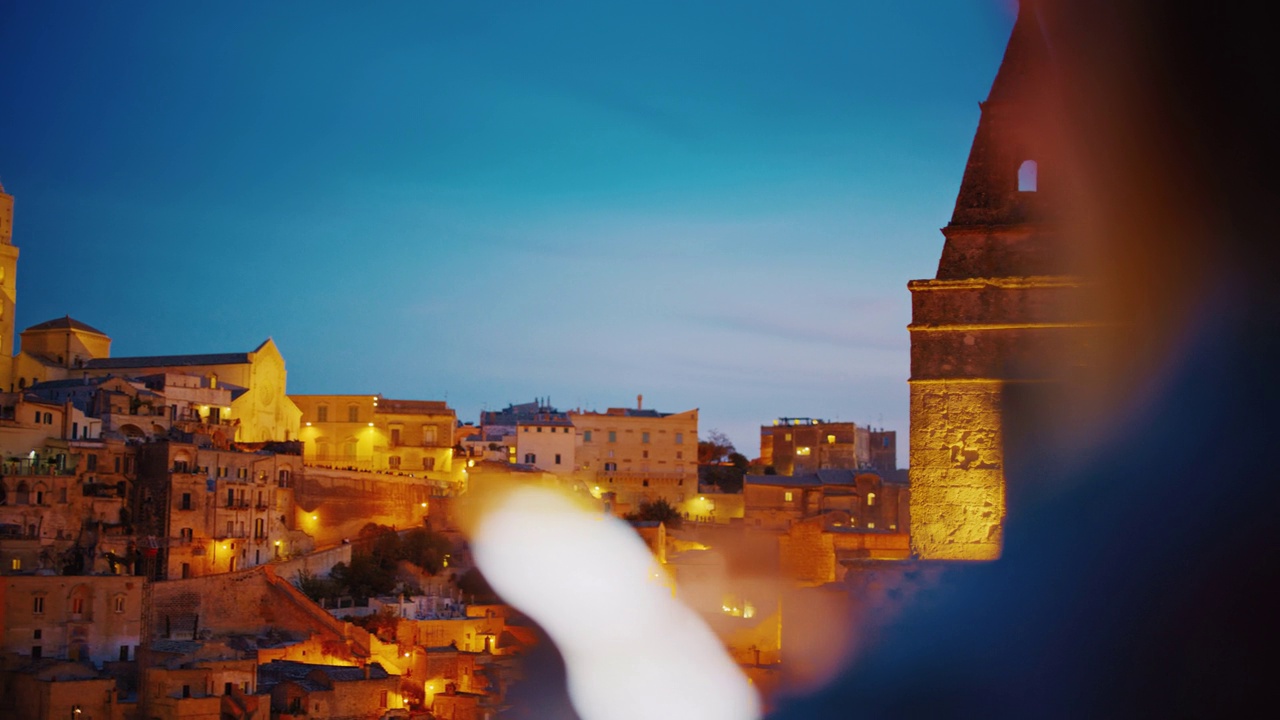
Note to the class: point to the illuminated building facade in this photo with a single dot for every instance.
(863, 499)
(54, 349)
(8, 285)
(260, 410)
(996, 320)
(884, 450)
(377, 434)
(546, 441)
(92, 618)
(802, 445)
(211, 510)
(639, 455)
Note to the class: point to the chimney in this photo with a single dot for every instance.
(639, 402)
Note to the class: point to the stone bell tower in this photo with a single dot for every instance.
(997, 316)
(8, 286)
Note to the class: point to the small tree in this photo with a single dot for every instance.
(315, 587)
(474, 584)
(715, 449)
(426, 549)
(657, 511)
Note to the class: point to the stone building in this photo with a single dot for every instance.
(8, 287)
(62, 488)
(54, 349)
(1000, 317)
(86, 618)
(205, 688)
(373, 433)
(210, 510)
(884, 451)
(260, 410)
(795, 446)
(547, 441)
(860, 501)
(639, 455)
(358, 693)
(62, 690)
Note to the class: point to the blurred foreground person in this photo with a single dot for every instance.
(1139, 557)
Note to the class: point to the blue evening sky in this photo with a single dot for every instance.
(715, 204)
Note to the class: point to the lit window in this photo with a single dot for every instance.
(871, 498)
(802, 451)
(16, 564)
(787, 496)
(831, 439)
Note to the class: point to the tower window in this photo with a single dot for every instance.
(1027, 176)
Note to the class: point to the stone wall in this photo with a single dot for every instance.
(251, 601)
(332, 505)
(957, 469)
(317, 563)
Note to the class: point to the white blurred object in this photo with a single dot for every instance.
(630, 649)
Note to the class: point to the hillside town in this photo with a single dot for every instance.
(181, 537)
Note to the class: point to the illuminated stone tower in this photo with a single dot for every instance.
(8, 286)
(996, 319)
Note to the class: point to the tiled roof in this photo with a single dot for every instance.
(71, 383)
(167, 361)
(278, 671)
(821, 478)
(65, 323)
